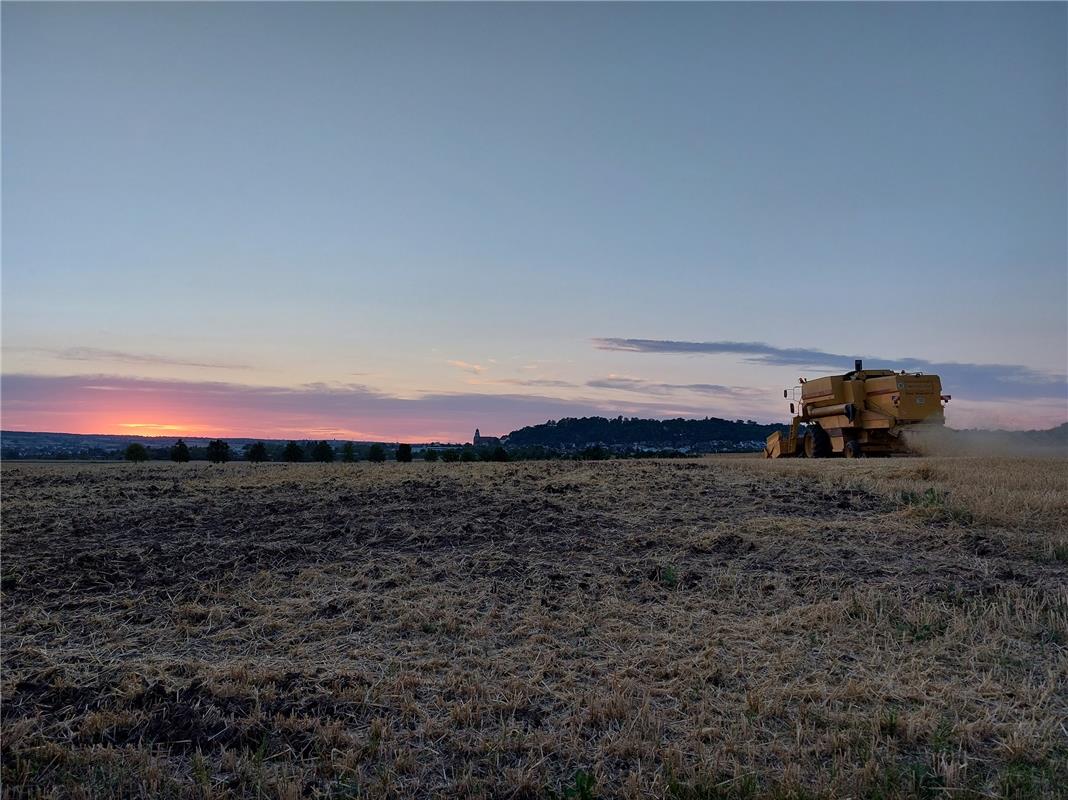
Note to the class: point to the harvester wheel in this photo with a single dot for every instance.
(852, 450)
(817, 442)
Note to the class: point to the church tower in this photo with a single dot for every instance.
(477, 437)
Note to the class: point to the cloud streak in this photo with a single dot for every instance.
(540, 382)
(979, 381)
(98, 354)
(475, 369)
(652, 387)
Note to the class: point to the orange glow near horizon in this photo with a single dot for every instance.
(147, 407)
(197, 431)
(249, 428)
(151, 407)
(158, 426)
(248, 425)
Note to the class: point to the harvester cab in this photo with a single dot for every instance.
(862, 412)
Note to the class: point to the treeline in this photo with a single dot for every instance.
(581, 432)
(76, 454)
(219, 451)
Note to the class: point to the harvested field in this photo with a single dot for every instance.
(716, 628)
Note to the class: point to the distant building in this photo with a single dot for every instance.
(478, 440)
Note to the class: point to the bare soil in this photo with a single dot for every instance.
(724, 627)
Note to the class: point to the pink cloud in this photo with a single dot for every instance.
(476, 369)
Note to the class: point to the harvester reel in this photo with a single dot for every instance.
(817, 442)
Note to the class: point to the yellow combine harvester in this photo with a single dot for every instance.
(860, 413)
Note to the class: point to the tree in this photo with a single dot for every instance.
(404, 453)
(322, 451)
(377, 454)
(450, 456)
(136, 453)
(293, 452)
(500, 454)
(257, 453)
(430, 455)
(218, 451)
(348, 452)
(467, 454)
(180, 452)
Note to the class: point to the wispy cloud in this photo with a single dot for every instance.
(102, 355)
(543, 382)
(476, 369)
(653, 387)
(980, 381)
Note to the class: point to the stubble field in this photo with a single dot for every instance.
(715, 628)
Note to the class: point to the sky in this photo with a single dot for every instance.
(404, 221)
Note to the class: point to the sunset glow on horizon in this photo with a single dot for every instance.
(90, 405)
(93, 405)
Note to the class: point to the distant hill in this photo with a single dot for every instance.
(93, 446)
(110, 447)
(569, 434)
(710, 434)
(1053, 436)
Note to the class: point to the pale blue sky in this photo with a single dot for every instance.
(364, 193)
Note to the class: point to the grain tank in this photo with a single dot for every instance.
(862, 412)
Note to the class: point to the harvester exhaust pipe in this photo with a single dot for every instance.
(858, 365)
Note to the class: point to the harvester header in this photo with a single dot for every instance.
(863, 412)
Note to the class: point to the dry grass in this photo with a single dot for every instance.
(723, 628)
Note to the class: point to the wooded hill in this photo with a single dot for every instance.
(701, 434)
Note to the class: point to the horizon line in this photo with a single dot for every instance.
(5, 431)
